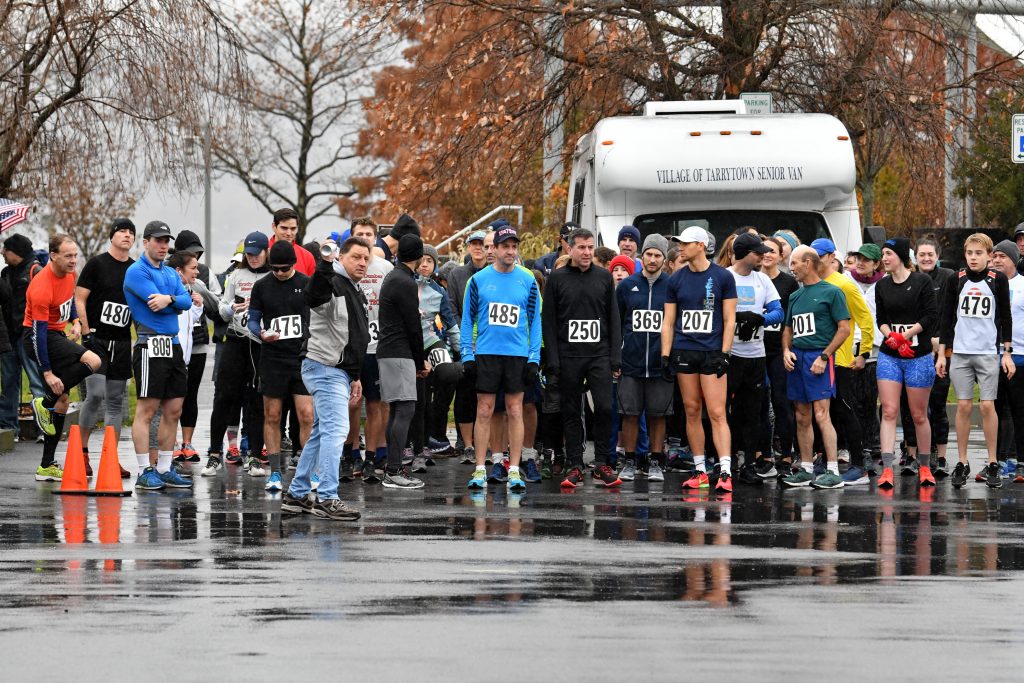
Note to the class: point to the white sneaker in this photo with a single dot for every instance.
(628, 472)
(255, 469)
(213, 466)
(654, 472)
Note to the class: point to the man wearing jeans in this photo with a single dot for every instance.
(21, 267)
(332, 357)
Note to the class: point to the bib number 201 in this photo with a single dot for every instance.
(803, 325)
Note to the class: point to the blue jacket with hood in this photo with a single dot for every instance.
(641, 351)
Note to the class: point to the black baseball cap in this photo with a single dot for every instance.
(746, 243)
(156, 229)
(566, 228)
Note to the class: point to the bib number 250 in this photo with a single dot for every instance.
(584, 331)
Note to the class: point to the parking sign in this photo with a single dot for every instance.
(1017, 140)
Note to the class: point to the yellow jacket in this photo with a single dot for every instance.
(861, 315)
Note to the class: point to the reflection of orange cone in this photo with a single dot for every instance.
(74, 481)
(108, 480)
(74, 520)
(108, 518)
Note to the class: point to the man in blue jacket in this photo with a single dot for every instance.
(641, 300)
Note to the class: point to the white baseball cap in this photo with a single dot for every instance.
(692, 234)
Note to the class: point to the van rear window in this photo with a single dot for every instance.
(808, 225)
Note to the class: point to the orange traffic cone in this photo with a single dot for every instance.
(108, 480)
(74, 481)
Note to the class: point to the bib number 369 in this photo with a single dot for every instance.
(646, 320)
(584, 331)
(160, 347)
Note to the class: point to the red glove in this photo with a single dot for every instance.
(894, 340)
(905, 350)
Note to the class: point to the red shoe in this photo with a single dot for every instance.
(605, 476)
(925, 477)
(234, 456)
(179, 454)
(573, 479)
(1019, 477)
(698, 481)
(190, 453)
(885, 481)
(982, 476)
(724, 484)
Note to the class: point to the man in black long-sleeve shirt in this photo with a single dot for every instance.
(583, 342)
(400, 355)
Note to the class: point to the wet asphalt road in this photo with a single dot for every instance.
(644, 583)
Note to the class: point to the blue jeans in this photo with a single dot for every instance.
(11, 365)
(322, 453)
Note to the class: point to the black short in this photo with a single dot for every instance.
(370, 378)
(281, 377)
(693, 362)
(160, 378)
(63, 353)
(115, 356)
(500, 372)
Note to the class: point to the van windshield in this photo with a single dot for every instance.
(807, 225)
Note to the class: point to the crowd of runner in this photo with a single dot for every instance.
(342, 360)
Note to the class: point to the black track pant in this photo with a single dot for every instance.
(576, 377)
(746, 389)
(844, 412)
(236, 387)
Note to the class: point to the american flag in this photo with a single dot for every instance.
(11, 213)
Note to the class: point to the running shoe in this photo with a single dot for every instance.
(401, 480)
(829, 480)
(274, 484)
(172, 479)
(545, 464)
(799, 477)
(407, 457)
(52, 472)
(1018, 478)
(498, 475)
(783, 469)
(856, 476)
(345, 473)
(515, 482)
(819, 466)
(419, 464)
(981, 476)
(765, 468)
(960, 474)
(149, 480)
(440, 447)
(748, 475)
(573, 479)
(941, 468)
(532, 474)
(334, 509)
(295, 506)
(255, 468)
(605, 476)
(213, 465)
(628, 471)
(871, 467)
(909, 466)
(654, 472)
(468, 456)
(286, 445)
(925, 476)
(680, 459)
(44, 417)
(699, 480)
(189, 452)
(360, 465)
(558, 466)
(885, 479)
(125, 474)
(314, 482)
(177, 454)
(479, 479)
(380, 464)
(88, 465)
(182, 468)
(293, 462)
(263, 457)
(1009, 466)
(994, 477)
(843, 456)
(370, 475)
(234, 456)
(724, 483)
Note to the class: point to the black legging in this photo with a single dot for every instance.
(190, 408)
(418, 429)
(844, 411)
(399, 420)
(236, 388)
(785, 420)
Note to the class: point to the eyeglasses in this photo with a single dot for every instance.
(280, 269)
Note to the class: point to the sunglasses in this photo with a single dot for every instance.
(280, 269)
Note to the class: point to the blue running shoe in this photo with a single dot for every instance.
(274, 484)
(855, 476)
(479, 479)
(243, 444)
(149, 480)
(516, 483)
(820, 467)
(173, 480)
(499, 475)
(532, 472)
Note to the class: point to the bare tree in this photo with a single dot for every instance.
(310, 64)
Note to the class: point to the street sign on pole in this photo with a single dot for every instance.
(1017, 140)
(757, 102)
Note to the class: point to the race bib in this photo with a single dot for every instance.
(584, 331)
(754, 338)
(374, 328)
(696, 322)
(506, 315)
(115, 315)
(774, 328)
(65, 311)
(900, 329)
(803, 325)
(160, 346)
(646, 321)
(439, 356)
(287, 326)
(982, 306)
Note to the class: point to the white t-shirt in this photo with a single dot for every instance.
(753, 293)
(376, 271)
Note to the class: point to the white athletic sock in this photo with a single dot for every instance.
(807, 466)
(513, 468)
(529, 454)
(143, 460)
(698, 463)
(726, 462)
(163, 461)
(497, 458)
(833, 467)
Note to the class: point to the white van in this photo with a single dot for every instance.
(710, 164)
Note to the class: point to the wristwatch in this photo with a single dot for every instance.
(824, 357)
(1008, 349)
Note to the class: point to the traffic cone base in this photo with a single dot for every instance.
(74, 481)
(108, 478)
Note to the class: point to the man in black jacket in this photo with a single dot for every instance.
(21, 266)
(583, 341)
(400, 355)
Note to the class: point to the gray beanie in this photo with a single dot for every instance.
(432, 253)
(1009, 248)
(655, 241)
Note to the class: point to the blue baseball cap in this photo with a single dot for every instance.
(823, 246)
(476, 236)
(255, 242)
